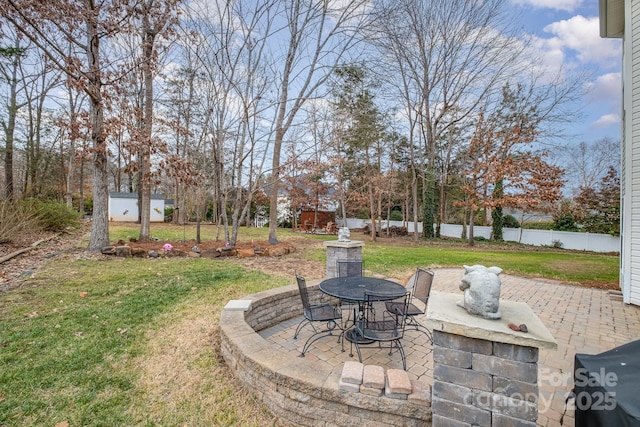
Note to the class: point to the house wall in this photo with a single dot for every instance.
(630, 183)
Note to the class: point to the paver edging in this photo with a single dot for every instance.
(294, 388)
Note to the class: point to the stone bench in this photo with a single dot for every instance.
(294, 388)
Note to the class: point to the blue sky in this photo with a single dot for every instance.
(567, 32)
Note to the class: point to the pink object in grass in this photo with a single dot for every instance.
(167, 247)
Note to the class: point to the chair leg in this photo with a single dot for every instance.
(311, 340)
(300, 326)
(410, 321)
(351, 348)
(427, 332)
(358, 351)
(352, 311)
(402, 355)
(331, 325)
(328, 331)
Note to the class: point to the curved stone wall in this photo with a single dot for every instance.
(294, 388)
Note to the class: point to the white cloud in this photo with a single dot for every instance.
(582, 35)
(606, 120)
(568, 5)
(607, 87)
(547, 56)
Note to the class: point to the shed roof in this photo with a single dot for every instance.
(117, 195)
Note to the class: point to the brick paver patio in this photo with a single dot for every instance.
(581, 320)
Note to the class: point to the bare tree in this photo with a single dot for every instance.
(450, 55)
(71, 125)
(55, 25)
(503, 169)
(11, 58)
(230, 53)
(45, 80)
(156, 17)
(316, 38)
(588, 162)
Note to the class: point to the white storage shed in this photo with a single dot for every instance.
(123, 207)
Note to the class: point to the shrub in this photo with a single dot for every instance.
(538, 225)
(395, 215)
(88, 206)
(509, 221)
(565, 223)
(53, 216)
(168, 214)
(16, 218)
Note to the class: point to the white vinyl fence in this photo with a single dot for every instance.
(565, 239)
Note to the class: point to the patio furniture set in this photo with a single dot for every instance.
(378, 310)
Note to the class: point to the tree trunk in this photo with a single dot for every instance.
(496, 213)
(472, 218)
(71, 169)
(145, 155)
(8, 154)
(275, 184)
(428, 204)
(9, 131)
(100, 224)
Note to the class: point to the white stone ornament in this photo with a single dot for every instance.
(344, 234)
(481, 287)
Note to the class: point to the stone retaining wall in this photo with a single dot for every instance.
(293, 388)
(484, 383)
(485, 373)
(341, 251)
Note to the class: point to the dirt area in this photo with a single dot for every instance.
(70, 245)
(281, 259)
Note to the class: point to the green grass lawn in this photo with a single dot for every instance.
(134, 342)
(75, 357)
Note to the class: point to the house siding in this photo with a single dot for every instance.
(630, 183)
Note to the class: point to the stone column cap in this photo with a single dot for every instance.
(339, 244)
(443, 314)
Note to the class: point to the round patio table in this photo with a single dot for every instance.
(354, 289)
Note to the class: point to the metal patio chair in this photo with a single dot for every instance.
(316, 314)
(420, 288)
(386, 328)
(350, 268)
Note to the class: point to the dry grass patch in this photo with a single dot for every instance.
(184, 381)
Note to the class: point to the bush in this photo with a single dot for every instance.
(168, 214)
(395, 215)
(509, 221)
(55, 217)
(16, 218)
(565, 223)
(538, 225)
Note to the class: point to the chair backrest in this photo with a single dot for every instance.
(386, 324)
(304, 294)
(350, 268)
(422, 284)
